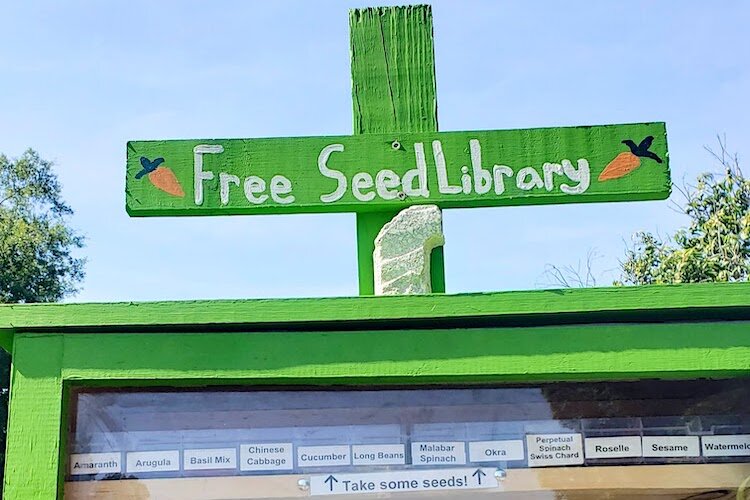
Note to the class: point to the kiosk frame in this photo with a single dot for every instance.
(665, 332)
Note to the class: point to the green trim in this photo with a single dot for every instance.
(690, 301)
(582, 352)
(65, 422)
(33, 456)
(47, 363)
(437, 270)
(6, 340)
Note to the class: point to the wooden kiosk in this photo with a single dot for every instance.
(689, 353)
(597, 393)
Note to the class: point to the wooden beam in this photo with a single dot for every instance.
(704, 301)
(497, 355)
(393, 91)
(34, 455)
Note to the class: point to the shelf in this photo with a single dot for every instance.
(714, 481)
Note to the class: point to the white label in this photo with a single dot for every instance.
(210, 459)
(153, 461)
(671, 446)
(496, 451)
(323, 456)
(554, 449)
(438, 453)
(266, 456)
(95, 463)
(613, 447)
(726, 446)
(403, 481)
(379, 454)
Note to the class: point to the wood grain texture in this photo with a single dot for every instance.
(393, 70)
(33, 452)
(707, 301)
(576, 352)
(521, 151)
(393, 90)
(324, 358)
(666, 482)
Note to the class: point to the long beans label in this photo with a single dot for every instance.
(382, 172)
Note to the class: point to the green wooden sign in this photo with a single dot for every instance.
(396, 157)
(374, 172)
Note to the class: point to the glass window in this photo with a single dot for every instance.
(609, 438)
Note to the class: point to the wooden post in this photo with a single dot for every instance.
(396, 157)
(34, 454)
(393, 91)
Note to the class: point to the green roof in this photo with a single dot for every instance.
(645, 303)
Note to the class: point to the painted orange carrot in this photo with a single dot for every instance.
(627, 161)
(160, 176)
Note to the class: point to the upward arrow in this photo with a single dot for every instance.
(330, 480)
(479, 473)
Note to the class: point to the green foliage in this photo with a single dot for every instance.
(37, 263)
(36, 244)
(715, 246)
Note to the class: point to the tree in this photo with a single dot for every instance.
(715, 246)
(37, 246)
(580, 275)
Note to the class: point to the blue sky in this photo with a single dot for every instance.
(81, 78)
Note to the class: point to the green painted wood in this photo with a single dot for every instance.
(393, 70)
(6, 341)
(396, 157)
(707, 300)
(369, 225)
(520, 157)
(590, 352)
(581, 352)
(548, 353)
(33, 453)
(437, 270)
(480, 355)
(393, 90)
